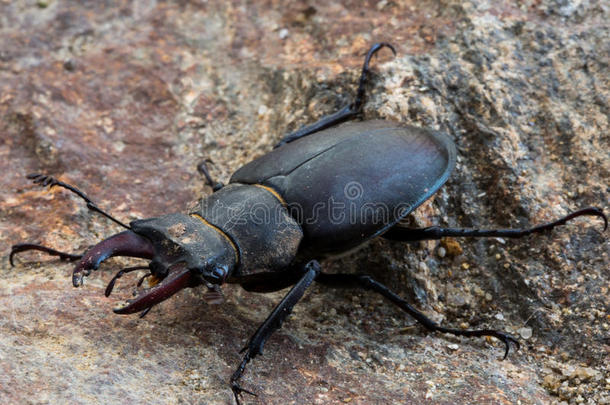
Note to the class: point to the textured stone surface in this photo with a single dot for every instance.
(125, 99)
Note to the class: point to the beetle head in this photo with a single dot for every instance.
(184, 251)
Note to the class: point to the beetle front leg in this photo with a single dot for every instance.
(368, 283)
(272, 323)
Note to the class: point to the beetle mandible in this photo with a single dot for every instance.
(361, 166)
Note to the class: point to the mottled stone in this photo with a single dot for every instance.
(123, 99)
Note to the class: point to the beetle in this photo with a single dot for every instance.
(323, 190)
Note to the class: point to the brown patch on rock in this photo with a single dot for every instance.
(452, 247)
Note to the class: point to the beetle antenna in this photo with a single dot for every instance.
(23, 247)
(44, 180)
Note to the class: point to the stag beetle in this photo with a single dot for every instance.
(268, 228)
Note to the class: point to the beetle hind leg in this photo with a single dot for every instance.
(368, 283)
(434, 232)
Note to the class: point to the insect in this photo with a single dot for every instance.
(324, 189)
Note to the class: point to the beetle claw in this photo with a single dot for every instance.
(507, 339)
(237, 390)
(598, 212)
(592, 211)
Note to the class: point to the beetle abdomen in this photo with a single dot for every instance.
(352, 182)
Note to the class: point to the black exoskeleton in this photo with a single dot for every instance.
(323, 190)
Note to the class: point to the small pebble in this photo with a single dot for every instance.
(441, 252)
(69, 65)
(525, 332)
(453, 346)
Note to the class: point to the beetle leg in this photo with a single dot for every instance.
(203, 169)
(24, 247)
(434, 232)
(272, 323)
(368, 283)
(346, 113)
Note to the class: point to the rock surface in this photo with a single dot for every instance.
(123, 100)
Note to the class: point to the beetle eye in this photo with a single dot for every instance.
(217, 275)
